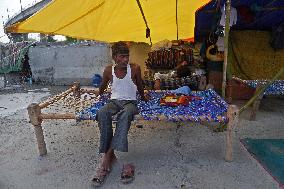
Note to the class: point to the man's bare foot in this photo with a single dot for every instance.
(107, 160)
(104, 169)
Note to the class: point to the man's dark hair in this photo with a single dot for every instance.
(119, 48)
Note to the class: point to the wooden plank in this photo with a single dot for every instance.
(57, 116)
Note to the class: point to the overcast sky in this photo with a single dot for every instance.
(13, 7)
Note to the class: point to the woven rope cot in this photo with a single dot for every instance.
(263, 88)
(75, 99)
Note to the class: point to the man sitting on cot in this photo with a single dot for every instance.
(126, 81)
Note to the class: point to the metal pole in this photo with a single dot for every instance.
(21, 5)
(3, 23)
(226, 42)
(8, 14)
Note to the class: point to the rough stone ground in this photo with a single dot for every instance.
(192, 157)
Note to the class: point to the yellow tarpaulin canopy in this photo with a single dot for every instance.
(114, 20)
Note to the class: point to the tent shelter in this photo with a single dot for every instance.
(251, 55)
(252, 15)
(119, 20)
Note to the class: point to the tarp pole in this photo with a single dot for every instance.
(226, 42)
(177, 17)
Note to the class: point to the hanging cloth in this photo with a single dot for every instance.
(233, 16)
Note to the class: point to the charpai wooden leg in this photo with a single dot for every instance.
(40, 140)
(34, 115)
(233, 115)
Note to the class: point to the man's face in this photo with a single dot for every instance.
(121, 59)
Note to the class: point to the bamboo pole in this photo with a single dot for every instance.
(57, 97)
(238, 79)
(255, 105)
(233, 115)
(57, 116)
(229, 92)
(226, 42)
(34, 115)
(96, 91)
(261, 91)
(89, 90)
(202, 118)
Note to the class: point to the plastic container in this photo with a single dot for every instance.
(30, 81)
(97, 80)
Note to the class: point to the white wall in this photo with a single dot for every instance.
(65, 64)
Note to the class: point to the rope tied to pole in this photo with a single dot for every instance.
(148, 32)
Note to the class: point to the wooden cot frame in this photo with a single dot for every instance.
(36, 118)
(258, 94)
(255, 103)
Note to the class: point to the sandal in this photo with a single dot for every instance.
(127, 173)
(99, 179)
(101, 175)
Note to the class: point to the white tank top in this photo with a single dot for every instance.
(123, 89)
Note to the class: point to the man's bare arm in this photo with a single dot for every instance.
(139, 83)
(105, 80)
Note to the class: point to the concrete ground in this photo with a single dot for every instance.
(191, 157)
